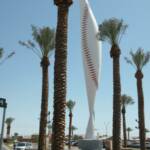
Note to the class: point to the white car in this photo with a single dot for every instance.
(23, 146)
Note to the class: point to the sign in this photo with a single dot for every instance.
(3, 102)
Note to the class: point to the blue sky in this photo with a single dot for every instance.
(20, 76)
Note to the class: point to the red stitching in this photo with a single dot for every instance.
(86, 51)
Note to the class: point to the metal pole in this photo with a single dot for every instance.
(2, 130)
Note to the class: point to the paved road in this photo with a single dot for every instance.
(66, 147)
(72, 148)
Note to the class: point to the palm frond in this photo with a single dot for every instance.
(11, 54)
(9, 120)
(112, 30)
(121, 28)
(44, 39)
(126, 100)
(7, 57)
(129, 129)
(147, 58)
(139, 58)
(31, 47)
(70, 105)
(129, 61)
(73, 127)
(34, 48)
(135, 59)
(24, 44)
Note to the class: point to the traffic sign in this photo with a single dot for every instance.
(3, 102)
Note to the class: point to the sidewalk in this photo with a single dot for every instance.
(4, 147)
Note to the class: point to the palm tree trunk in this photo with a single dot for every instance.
(139, 77)
(44, 104)
(124, 126)
(8, 131)
(128, 135)
(115, 54)
(70, 127)
(60, 69)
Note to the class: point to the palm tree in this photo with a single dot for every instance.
(8, 121)
(125, 101)
(129, 130)
(70, 105)
(112, 30)
(138, 60)
(15, 136)
(60, 69)
(45, 38)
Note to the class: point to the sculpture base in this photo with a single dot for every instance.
(88, 144)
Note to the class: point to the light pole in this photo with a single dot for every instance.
(3, 104)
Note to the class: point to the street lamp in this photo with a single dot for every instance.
(3, 104)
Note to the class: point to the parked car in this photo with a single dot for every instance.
(134, 144)
(73, 143)
(23, 146)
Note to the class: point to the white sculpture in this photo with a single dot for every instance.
(91, 49)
